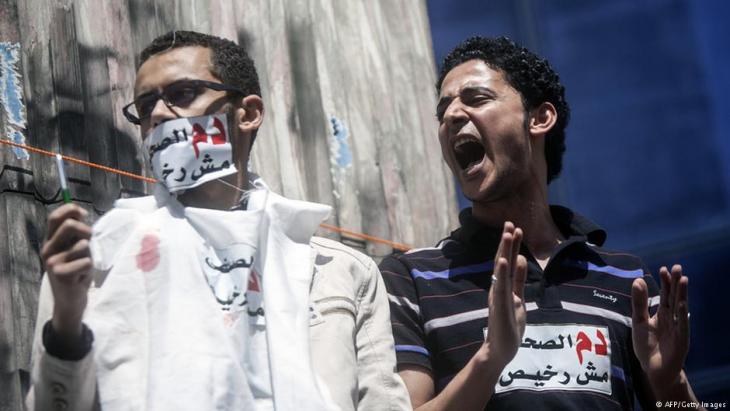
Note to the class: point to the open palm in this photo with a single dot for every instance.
(506, 297)
(661, 341)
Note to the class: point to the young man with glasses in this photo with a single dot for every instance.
(298, 322)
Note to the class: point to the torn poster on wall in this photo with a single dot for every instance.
(11, 96)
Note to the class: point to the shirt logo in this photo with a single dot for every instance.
(608, 297)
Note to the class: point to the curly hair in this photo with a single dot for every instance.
(230, 61)
(530, 75)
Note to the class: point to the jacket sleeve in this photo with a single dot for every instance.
(379, 385)
(56, 383)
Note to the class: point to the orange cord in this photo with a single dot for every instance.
(397, 246)
(77, 161)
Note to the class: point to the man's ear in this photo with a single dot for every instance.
(542, 119)
(252, 116)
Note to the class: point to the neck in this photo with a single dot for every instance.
(528, 210)
(216, 195)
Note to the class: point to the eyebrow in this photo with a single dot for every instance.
(150, 92)
(466, 91)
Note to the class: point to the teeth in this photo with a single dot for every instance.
(464, 139)
(468, 151)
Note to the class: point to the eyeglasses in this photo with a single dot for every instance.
(178, 94)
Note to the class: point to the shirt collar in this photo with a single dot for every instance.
(570, 224)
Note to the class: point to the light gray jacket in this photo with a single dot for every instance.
(350, 338)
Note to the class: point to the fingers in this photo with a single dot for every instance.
(673, 302)
(673, 283)
(510, 269)
(639, 301)
(74, 272)
(505, 244)
(683, 308)
(500, 288)
(62, 213)
(65, 235)
(664, 313)
(666, 285)
(67, 265)
(516, 242)
(680, 283)
(520, 276)
(674, 290)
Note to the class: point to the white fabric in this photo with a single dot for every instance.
(186, 152)
(161, 341)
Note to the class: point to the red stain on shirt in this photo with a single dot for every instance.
(149, 254)
(253, 282)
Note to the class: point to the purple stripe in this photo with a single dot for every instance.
(618, 373)
(608, 269)
(412, 348)
(467, 269)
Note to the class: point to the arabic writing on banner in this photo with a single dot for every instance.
(187, 152)
(229, 275)
(564, 357)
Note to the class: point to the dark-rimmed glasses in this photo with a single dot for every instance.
(178, 94)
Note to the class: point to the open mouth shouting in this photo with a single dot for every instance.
(469, 153)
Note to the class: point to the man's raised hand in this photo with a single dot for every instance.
(506, 298)
(661, 342)
(67, 259)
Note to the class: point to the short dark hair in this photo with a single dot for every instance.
(231, 63)
(530, 75)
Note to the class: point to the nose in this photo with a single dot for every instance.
(455, 117)
(160, 113)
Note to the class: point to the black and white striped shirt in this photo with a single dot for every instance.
(576, 352)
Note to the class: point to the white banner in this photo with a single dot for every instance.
(560, 357)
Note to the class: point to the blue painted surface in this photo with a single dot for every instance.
(11, 96)
(648, 153)
(342, 153)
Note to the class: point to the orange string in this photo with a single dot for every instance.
(78, 161)
(397, 246)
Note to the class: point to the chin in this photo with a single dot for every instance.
(485, 189)
(475, 191)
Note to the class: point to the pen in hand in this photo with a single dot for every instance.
(65, 193)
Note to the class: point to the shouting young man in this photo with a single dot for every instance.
(212, 294)
(522, 307)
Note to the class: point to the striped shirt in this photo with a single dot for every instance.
(577, 351)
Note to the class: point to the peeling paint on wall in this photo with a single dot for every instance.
(340, 154)
(11, 96)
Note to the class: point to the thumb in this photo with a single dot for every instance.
(639, 301)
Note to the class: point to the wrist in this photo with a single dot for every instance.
(67, 327)
(672, 389)
(489, 364)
